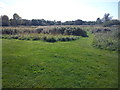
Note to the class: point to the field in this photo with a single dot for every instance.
(62, 64)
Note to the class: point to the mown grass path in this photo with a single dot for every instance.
(74, 64)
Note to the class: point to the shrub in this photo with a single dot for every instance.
(15, 37)
(76, 31)
(101, 30)
(51, 40)
(35, 38)
(63, 39)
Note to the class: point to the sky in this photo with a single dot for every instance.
(59, 10)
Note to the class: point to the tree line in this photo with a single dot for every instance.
(18, 21)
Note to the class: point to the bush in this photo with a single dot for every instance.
(51, 40)
(76, 31)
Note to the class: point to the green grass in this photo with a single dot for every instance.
(74, 64)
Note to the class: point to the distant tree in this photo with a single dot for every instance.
(99, 21)
(58, 23)
(13, 22)
(28, 23)
(35, 22)
(44, 22)
(89, 23)
(17, 20)
(68, 23)
(106, 17)
(16, 17)
(5, 20)
(25, 22)
(78, 22)
(50, 22)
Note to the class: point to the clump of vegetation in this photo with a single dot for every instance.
(76, 31)
(107, 40)
(43, 37)
(51, 39)
(17, 30)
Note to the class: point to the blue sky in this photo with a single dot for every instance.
(63, 10)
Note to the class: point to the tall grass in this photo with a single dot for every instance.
(106, 39)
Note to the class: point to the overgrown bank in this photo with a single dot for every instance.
(106, 39)
(45, 34)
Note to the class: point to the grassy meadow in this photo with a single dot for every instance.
(73, 62)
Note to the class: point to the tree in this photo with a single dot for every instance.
(5, 20)
(13, 22)
(98, 21)
(78, 22)
(17, 20)
(106, 17)
(16, 17)
(35, 22)
(25, 22)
